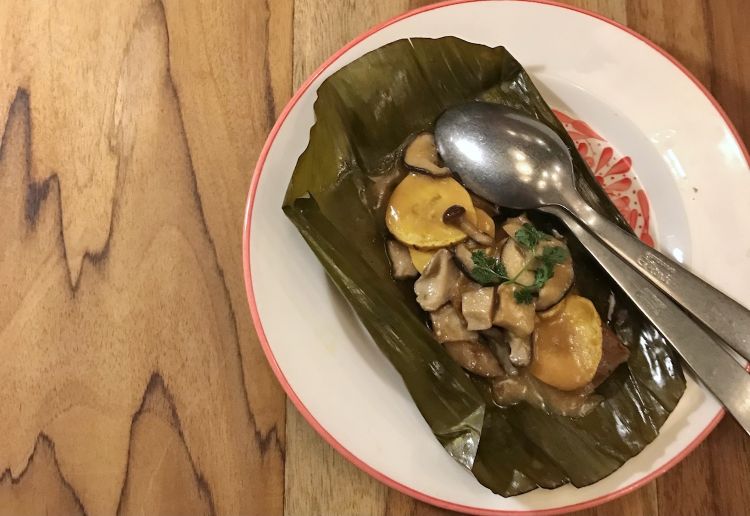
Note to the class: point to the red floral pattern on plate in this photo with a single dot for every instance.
(614, 173)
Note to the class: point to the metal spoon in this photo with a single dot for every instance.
(516, 161)
(717, 370)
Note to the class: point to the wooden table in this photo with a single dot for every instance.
(131, 380)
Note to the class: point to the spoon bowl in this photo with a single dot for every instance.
(504, 155)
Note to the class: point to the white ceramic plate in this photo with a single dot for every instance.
(685, 153)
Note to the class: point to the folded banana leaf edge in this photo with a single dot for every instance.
(364, 113)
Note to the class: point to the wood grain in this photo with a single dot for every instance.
(132, 380)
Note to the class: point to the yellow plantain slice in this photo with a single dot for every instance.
(415, 211)
(567, 344)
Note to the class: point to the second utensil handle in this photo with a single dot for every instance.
(718, 371)
(722, 314)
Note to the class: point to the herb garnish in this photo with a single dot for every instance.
(524, 295)
(550, 257)
(488, 270)
(529, 236)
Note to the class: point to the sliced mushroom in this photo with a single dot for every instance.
(421, 156)
(464, 258)
(520, 349)
(438, 282)
(516, 259)
(495, 339)
(500, 236)
(456, 216)
(464, 255)
(464, 285)
(401, 264)
(512, 315)
(485, 224)
(475, 357)
(381, 187)
(448, 326)
(476, 307)
(560, 282)
(510, 226)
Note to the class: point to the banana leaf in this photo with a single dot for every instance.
(364, 113)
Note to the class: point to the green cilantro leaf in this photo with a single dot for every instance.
(554, 255)
(542, 275)
(551, 256)
(487, 269)
(524, 295)
(529, 236)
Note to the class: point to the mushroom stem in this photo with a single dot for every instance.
(455, 216)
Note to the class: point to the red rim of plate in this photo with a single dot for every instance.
(272, 360)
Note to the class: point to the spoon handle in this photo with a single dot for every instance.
(716, 369)
(720, 313)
